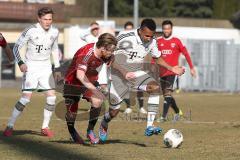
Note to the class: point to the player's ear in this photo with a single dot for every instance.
(39, 19)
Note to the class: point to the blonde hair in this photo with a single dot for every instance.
(105, 40)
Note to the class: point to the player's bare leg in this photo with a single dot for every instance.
(47, 113)
(18, 109)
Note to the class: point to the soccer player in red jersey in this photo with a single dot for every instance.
(81, 80)
(171, 48)
(5, 46)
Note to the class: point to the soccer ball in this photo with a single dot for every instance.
(173, 138)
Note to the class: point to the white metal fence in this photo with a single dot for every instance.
(217, 63)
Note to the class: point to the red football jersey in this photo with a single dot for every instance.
(3, 42)
(171, 48)
(84, 59)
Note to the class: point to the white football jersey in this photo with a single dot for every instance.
(136, 50)
(40, 44)
(88, 37)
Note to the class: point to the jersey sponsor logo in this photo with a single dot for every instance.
(173, 45)
(161, 44)
(39, 48)
(166, 52)
(132, 55)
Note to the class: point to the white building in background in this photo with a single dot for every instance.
(216, 55)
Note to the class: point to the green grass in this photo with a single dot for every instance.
(213, 133)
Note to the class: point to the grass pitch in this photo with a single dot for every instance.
(212, 134)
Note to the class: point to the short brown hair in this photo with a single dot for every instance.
(43, 11)
(94, 23)
(106, 39)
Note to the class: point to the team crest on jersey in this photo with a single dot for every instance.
(161, 44)
(36, 38)
(173, 45)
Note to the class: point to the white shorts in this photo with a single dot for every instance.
(120, 88)
(38, 78)
(103, 75)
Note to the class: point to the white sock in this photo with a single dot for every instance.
(150, 118)
(46, 118)
(15, 115)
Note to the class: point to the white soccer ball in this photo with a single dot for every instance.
(173, 138)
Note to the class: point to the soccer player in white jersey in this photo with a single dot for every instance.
(127, 27)
(41, 40)
(134, 46)
(91, 34)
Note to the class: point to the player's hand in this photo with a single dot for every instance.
(130, 76)
(23, 68)
(193, 72)
(178, 70)
(58, 76)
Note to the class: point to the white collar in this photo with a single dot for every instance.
(137, 36)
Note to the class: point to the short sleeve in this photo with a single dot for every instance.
(82, 62)
(155, 53)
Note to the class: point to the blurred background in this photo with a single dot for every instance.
(208, 28)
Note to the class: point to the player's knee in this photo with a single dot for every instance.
(152, 87)
(20, 105)
(97, 102)
(50, 103)
(167, 93)
(168, 99)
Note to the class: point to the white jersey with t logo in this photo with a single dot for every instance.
(40, 45)
(134, 48)
(130, 55)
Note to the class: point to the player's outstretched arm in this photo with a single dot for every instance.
(127, 75)
(185, 52)
(176, 69)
